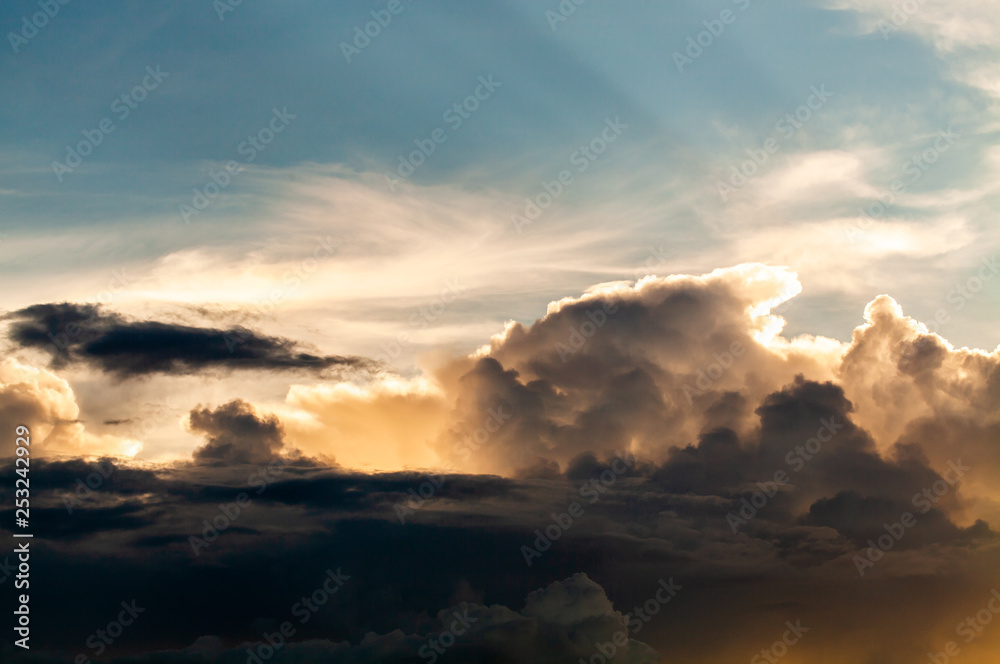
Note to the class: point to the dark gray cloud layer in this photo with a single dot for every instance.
(88, 333)
(462, 543)
(763, 478)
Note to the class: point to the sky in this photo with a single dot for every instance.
(505, 322)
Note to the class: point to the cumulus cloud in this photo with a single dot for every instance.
(236, 435)
(629, 368)
(655, 367)
(691, 379)
(616, 369)
(46, 404)
(915, 388)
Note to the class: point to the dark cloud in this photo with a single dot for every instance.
(718, 464)
(87, 333)
(561, 622)
(856, 452)
(466, 534)
(236, 435)
(57, 523)
(586, 466)
(355, 492)
(863, 518)
(542, 469)
(106, 471)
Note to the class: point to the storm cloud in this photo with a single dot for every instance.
(760, 471)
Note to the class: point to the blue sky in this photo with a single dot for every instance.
(655, 188)
(371, 245)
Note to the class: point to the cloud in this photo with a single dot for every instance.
(653, 367)
(467, 536)
(913, 387)
(633, 368)
(389, 424)
(236, 435)
(61, 525)
(960, 24)
(689, 374)
(75, 333)
(561, 622)
(46, 404)
(963, 33)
